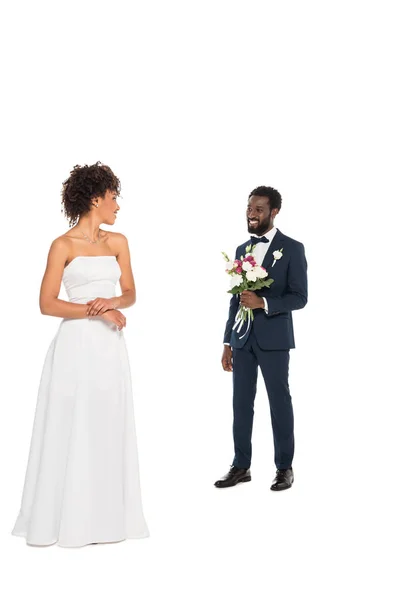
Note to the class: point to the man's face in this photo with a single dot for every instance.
(259, 216)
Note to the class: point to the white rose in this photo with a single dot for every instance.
(260, 272)
(246, 265)
(251, 275)
(229, 265)
(277, 254)
(236, 280)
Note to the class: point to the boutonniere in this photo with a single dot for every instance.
(277, 255)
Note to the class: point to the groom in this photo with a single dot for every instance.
(268, 341)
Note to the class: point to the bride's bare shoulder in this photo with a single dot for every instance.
(60, 245)
(117, 237)
(71, 234)
(66, 240)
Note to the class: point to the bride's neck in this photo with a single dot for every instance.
(89, 226)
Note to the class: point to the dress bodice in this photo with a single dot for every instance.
(89, 277)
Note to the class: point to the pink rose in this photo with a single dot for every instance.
(237, 265)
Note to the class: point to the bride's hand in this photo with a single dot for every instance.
(98, 306)
(116, 317)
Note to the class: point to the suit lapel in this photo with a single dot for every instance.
(276, 244)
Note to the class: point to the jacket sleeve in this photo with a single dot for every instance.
(233, 308)
(296, 293)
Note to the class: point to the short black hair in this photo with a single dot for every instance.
(274, 197)
(83, 184)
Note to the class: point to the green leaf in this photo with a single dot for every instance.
(258, 285)
(234, 290)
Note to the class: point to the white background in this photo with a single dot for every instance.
(193, 104)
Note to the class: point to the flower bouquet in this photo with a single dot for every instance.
(246, 275)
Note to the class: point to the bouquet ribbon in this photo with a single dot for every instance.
(241, 318)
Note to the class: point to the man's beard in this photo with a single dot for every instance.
(261, 228)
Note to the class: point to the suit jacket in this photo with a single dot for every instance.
(274, 331)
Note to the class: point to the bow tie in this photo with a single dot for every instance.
(257, 240)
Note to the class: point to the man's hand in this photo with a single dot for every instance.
(251, 300)
(227, 359)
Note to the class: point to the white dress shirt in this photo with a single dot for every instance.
(261, 248)
(260, 251)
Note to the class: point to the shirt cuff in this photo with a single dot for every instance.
(265, 305)
(226, 344)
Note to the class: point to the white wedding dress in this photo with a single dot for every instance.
(82, 479)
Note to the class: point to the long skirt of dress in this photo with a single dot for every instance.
(82, 479)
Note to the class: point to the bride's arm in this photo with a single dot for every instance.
(49, 302)
(127, 282)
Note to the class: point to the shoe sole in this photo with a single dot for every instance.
(281, 489)
(247, 478)
(243, 480)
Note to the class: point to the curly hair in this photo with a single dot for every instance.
(274, 197)
(84, 184)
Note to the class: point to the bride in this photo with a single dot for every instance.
(82, 479)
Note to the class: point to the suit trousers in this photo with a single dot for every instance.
(274, 365)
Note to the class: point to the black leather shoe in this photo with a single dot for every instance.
(283, 480)
(234, 476)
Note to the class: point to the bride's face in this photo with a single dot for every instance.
(108, 207)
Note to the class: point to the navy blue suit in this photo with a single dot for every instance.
(267, 345)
